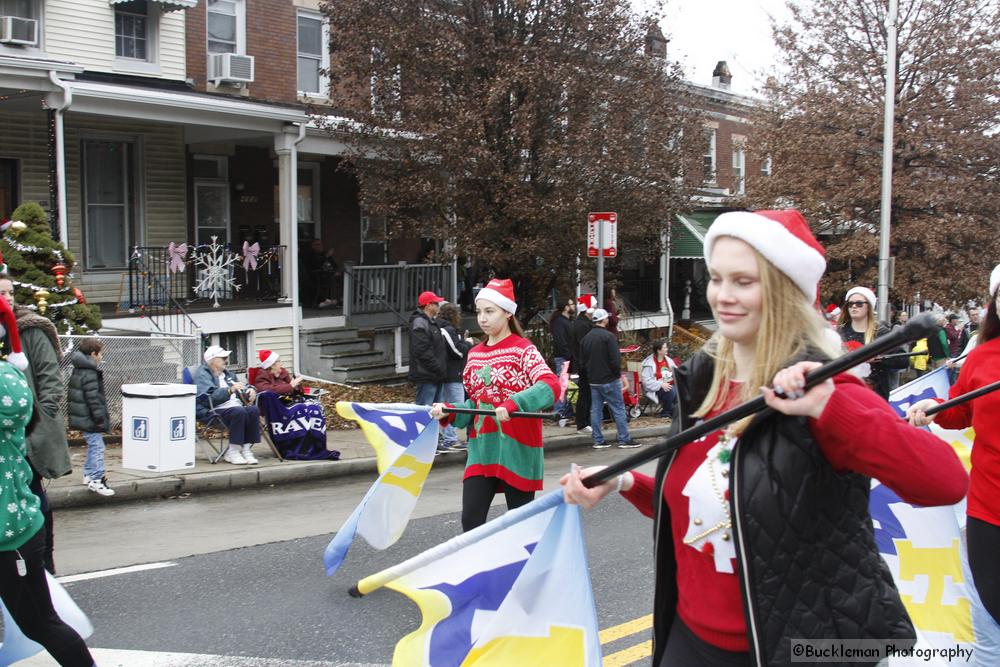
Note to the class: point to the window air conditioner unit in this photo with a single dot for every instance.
(16, 30)
(230, 68)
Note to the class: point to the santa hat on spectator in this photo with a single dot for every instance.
(782, 237)
(994, 280)
(585, 303)
(267, 358)
(8, 326)
(5, 225)
(832, 311)
(864, 293)
(501, 292)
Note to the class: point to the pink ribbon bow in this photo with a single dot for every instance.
(250, 253)
(176, 255)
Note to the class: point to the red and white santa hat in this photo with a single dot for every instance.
(782, 237)
(8, 326)
(864, 293)
(501, 292)
(994, 280)
(833, 311)
(267, 358)
(586, 302)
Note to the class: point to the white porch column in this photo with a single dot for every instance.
(285, 146)
(664, 271)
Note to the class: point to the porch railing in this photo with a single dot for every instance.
(149, 295)
(393, 287)
(204, 275)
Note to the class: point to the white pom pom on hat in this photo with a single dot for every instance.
(8, 324)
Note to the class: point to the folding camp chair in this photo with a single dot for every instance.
(209, 426)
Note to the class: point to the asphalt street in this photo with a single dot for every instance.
(237, 579)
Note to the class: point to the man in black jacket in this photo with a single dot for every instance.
(581, 327)
(561, 325)
(603, 361)
(428, 355)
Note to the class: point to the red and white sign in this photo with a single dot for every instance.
(609, 220)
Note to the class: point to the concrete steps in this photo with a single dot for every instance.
(343, 355)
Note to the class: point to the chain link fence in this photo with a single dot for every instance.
(131, 359)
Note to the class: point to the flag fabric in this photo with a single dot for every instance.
(405, 439)
(17, 647)
(514, 591)
(925, 550)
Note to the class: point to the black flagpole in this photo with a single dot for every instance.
(492, 413)
(958, 400)
(918, 327)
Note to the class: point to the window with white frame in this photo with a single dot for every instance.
(226, 26)
(135, 30)
(739, 165)
(23, 9)
(109, 201)
(765, 166)
(238, 345)
(708, 158)
(313, 53)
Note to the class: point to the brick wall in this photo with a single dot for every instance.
(270, 39)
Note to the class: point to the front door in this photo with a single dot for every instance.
(211, 211)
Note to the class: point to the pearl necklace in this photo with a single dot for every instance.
(724, 454)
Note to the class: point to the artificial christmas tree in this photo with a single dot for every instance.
(42, 271)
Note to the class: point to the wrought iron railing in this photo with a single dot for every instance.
(393, 288)
(149, 295)
(204, 275)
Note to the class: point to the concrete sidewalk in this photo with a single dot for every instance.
(356, 458)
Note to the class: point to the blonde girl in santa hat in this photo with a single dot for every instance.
(982, 367)
(762, 532)
(24, 588)
(505, 373)
(857, 326)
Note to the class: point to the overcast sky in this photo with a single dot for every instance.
(703, 32)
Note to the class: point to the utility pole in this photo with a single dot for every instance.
(887, 144)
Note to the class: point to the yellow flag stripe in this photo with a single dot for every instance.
(616, 632)
(630, 655)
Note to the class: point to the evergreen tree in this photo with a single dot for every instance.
(33, 261)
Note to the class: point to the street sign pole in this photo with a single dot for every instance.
(885, 216)
(600, 264)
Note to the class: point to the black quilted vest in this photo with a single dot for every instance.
(805, 545)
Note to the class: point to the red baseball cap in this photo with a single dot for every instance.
(427, 298)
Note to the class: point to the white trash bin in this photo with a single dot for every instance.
(158, 427)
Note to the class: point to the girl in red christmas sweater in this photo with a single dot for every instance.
(982, 367)
(505, 373)
(762, 530)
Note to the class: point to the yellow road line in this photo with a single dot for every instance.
(616, 632)
(630, 655)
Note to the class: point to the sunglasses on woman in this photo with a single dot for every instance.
(856, 304)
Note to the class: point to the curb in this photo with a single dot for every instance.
(286, 472)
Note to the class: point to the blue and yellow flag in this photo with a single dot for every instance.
(515, 591)
(405, 439)
(925, 550)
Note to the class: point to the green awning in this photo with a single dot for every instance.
(688, 236)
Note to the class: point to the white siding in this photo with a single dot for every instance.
(83, 31)
(277, 340)
(161, 190)
(24, 137)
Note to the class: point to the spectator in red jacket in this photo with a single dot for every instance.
(273, 376)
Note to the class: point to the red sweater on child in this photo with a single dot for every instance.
(857, 431)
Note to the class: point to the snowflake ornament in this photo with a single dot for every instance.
(216, 274)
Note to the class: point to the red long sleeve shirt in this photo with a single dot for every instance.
(857, 432)
(982, 367)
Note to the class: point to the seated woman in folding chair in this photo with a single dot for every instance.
(656, 377)
(273, 376)
(218, 392)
